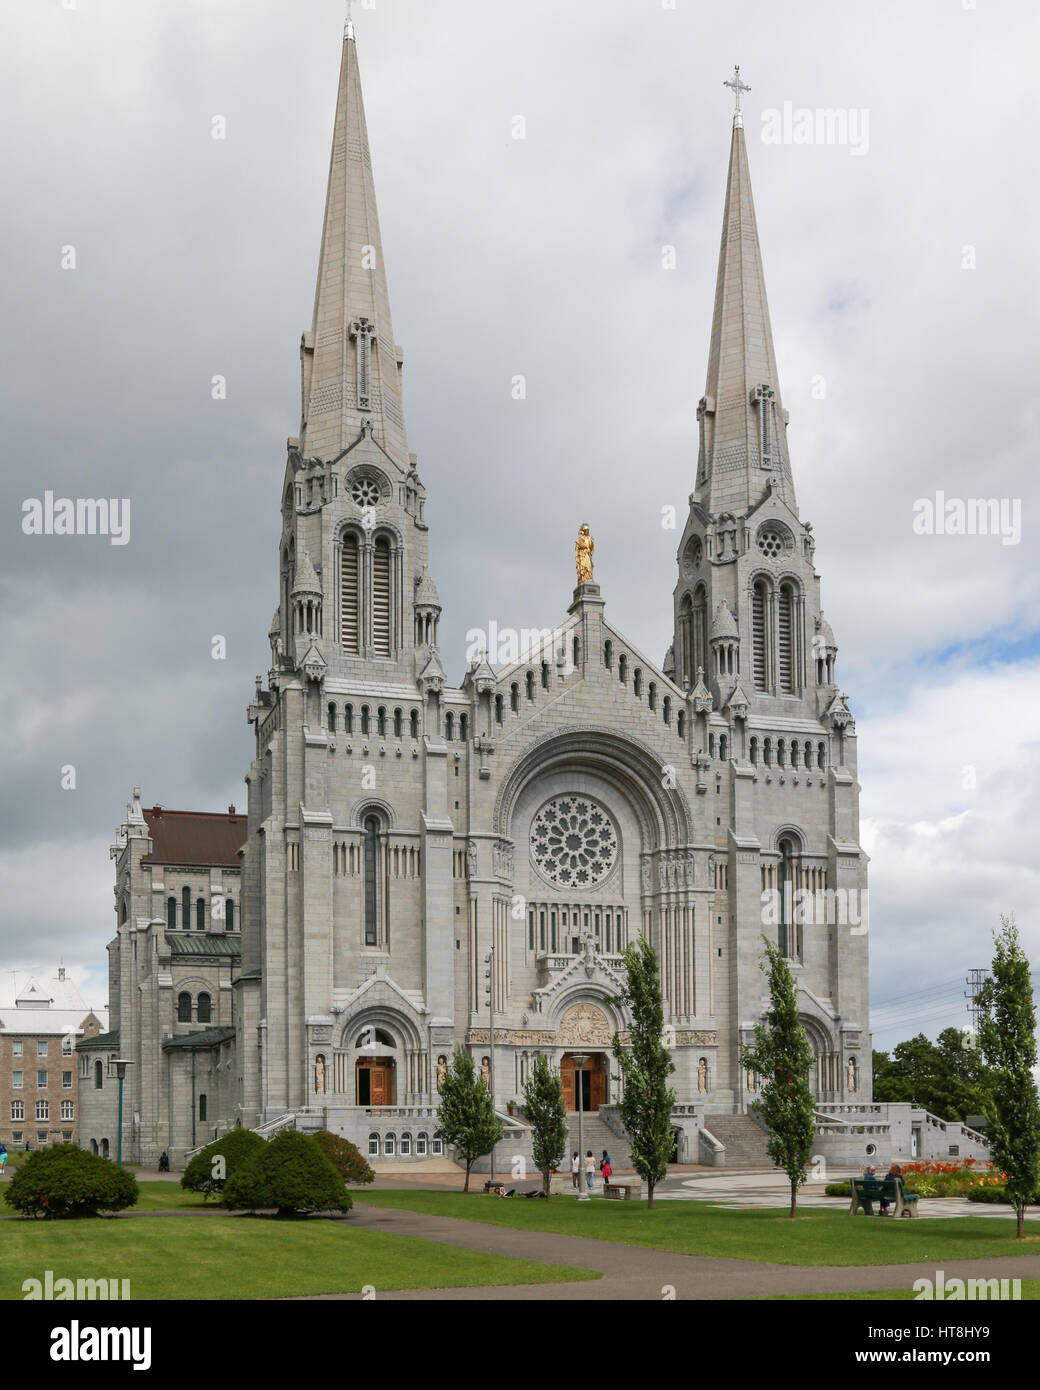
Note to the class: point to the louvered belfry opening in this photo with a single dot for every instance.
(784, 628)
(349, 589)
(381, 598)
(758, 634)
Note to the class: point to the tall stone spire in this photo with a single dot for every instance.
(743, 431)
(351, 365)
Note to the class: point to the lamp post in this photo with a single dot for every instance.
(489, 990)
(580, 1058)
(120, 1064)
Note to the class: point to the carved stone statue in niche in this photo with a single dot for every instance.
(702, 1075)
(319, 1075)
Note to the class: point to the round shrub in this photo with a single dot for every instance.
(344, 1157)
(206, 1174)
(291, 1174)
(64, 1180)
(838, 1189)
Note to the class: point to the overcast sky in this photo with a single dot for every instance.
(903, 290)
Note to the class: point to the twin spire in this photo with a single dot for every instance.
(351, 364)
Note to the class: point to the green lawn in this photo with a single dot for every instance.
(696, 1228)
(226, 1257)
(170, 1196)
(1030, 1290)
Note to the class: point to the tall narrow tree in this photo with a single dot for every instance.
(647, 1100)
(467, 1116)
(544, 1108)
(782, 1055)
(1007, 1036)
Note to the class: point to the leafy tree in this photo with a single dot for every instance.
(65, 1180)
(292, 1174)
(782, 1054)
(467, 1115)
(344, 1156)
(1007, 1036)
(212, 1166)
(948, 1077)
(544, 1107)
(646, 1101)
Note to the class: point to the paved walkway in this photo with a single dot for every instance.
(630, 1271)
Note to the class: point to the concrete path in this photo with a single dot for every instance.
(630, 1271)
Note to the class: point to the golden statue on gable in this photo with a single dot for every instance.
(583, 548)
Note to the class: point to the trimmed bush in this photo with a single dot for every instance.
(838, 1189)
(997, 1194)
(344, 1157)
(291, 1174)
(64, 1180)
(236, 1148)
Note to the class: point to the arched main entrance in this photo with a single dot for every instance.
(589, 1080)
(375, 1080)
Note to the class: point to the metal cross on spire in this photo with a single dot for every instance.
(737, 87)
(348, 28)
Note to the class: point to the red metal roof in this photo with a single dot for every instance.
(194, 837)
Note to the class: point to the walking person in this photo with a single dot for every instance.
(3, 1159)
(605, 1168)
(575, 1171)
(590, 1170)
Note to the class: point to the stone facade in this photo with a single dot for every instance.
(403, 831)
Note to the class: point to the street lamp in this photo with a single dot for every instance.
(489, 990)
(120, 1064)
(579, 1059)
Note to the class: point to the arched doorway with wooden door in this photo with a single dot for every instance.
(375, 1070)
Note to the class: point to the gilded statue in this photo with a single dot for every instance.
(583, 548)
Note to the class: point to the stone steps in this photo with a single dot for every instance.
(744, 1138)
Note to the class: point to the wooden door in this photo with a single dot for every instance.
(382, 1088)
(567, 1081)
(599, 1083)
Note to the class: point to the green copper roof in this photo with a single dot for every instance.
(209, 1037)
(204, 944)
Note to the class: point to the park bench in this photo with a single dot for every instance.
(620, 1191)
(867, 1191)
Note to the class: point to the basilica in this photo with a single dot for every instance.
(424, 866)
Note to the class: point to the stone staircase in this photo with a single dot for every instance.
(744, 1138)
(597, 1136)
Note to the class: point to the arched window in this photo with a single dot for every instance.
(530, 685)
(371, 881)
(767, 752)
(421, 1144)
(759, 663)
(514, 698)
(622, 667)
(651, 695)
(349, 595)
(723, 747)
(406, 1145)
(785, 640)
(124, 911)
(381, 722)
(205, 1015)
(373, 1145)
(94, 1147)
(463, 727)
(381, 597)
(498, 709)
(680, 723)
(332, 718)
(699, 632)
(808, 753)
(364, 719)
(99, 1076)
(398, 723)
(389, 1145)
(171, 912)
(637, 681)
(348, 719)
(104, 1148)
(229, 914)
(545, 675)
(576, 651)
(666, 710)
(781, 753)
(711, 746)
(795, 752)
(202, 1106)
(200, 914)
(608, 654)
(186, 908)
(449, 726)
(437, 1147)
(788, 933)
(754, 750)
(415, 723)
(184, 1007)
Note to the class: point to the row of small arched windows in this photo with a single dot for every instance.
(382, 724)
(788, 753)
(652, 699)
(227, 906)
(423, 1145)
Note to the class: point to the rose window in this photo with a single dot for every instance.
(773, 541)
(573, 841)
(366, 492)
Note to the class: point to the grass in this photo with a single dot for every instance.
(226, 1257)
(1030, 1290)
(814, 1238)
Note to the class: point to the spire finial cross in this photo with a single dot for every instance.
(348, 28)
(737, 86)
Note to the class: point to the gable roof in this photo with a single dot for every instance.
(195, 837)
